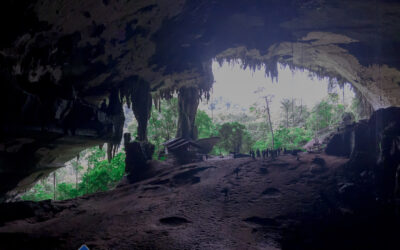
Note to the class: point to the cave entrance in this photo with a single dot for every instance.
(299, 106)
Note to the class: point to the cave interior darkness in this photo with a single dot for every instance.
(60, 60)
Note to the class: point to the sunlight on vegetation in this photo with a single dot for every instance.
(100, 175)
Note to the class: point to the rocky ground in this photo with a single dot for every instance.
(284, 203)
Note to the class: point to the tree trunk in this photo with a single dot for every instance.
(270, 123)
(54, 184)
(301, 110)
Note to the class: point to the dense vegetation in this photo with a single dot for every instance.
(100, 175)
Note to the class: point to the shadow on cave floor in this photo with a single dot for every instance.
(226, 204)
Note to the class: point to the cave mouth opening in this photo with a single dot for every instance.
(237, 101)
(301, 104)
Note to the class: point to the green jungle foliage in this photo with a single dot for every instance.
(234, 138)
(41, 191)
(292, 138)
(100, 176)
(205, 126)
(326, 114)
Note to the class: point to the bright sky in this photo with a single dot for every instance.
(237, 85)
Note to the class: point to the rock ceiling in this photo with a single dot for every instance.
(98, 45)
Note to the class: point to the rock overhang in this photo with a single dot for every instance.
(97, 46)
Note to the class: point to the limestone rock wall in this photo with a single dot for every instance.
(373, 147)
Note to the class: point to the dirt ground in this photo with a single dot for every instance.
(214, 204)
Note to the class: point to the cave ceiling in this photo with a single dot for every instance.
(59, 59)
(94, 46)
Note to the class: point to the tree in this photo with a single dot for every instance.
(291, 138)
(38, 193)
(104, 175)
(327, 114)
(205, 126)
(163, 123)
(95, 155)
(268, 100)
(293, 115)
(300, 115)
(234, 137)
(67, 191)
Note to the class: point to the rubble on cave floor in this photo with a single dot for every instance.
(214, 204)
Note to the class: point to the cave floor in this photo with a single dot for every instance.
(214, 204)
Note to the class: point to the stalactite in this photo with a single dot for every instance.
(115, 150)
(109, 151)
(271, 65)
(166, 94)
(188, 101)
(128, 101)
(205, 94)
(115, 110)
(157, 102)
(141, 106)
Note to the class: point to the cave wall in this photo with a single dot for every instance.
(373, 147)
(59, 61)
